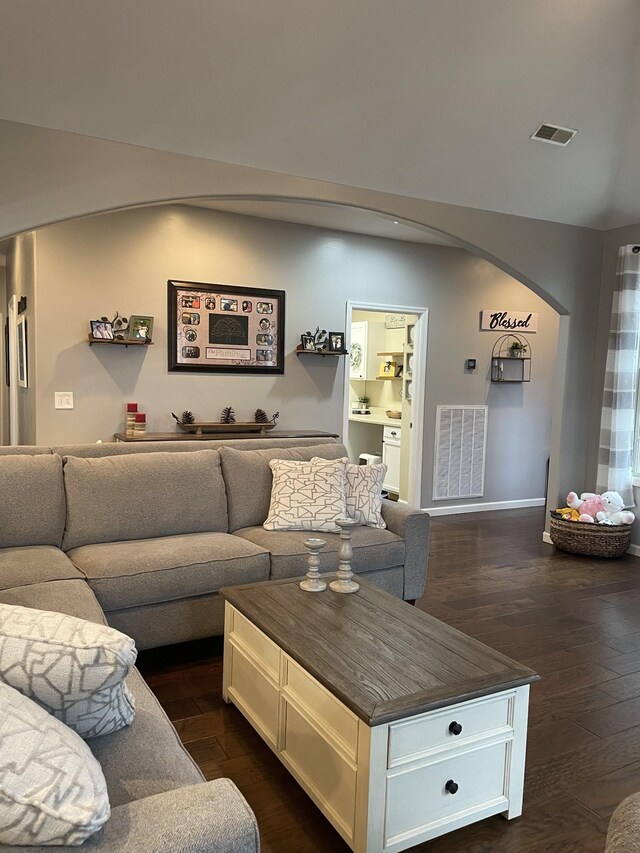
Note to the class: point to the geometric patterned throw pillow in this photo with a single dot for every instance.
(364, 493)
(73, 668)
(307, 495)
(52, 789)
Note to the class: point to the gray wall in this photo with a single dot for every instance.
(21, 282)
(122, 261)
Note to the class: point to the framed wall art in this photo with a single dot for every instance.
(225, 329)
(21, 342)
(140, 328)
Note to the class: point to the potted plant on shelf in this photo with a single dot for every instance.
(361, 407)
(517, 349)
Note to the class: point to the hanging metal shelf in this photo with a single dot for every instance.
(511, 359)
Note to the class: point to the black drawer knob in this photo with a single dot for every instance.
(451, 786)
(455, 728)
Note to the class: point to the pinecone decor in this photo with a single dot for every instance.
(228, 416)
(260, 417)
(188, 417)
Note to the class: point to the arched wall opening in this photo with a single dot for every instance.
(51, 176)
(110, 252)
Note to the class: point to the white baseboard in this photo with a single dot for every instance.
(546, 537)
(458, 509)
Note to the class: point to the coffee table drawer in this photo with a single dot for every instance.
(421, 798)
(435, 731)
(264, 649)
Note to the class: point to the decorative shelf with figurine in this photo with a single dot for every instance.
(511, 359)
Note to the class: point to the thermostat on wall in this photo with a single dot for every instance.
(470, 364)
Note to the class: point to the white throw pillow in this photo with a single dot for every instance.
(307, 495)
(364, 492)
(75, 669)
(52, 789)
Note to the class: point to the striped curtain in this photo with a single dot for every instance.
(617, 427)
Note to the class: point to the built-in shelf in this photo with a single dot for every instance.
(397, 352)
(387, 378)
(91, 341)
(300, 350)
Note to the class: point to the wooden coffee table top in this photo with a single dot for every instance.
(383, 658)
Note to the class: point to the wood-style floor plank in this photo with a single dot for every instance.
(573, 619)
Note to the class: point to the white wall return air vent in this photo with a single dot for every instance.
(461, 441)
(554, 134)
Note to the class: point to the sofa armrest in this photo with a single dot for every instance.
(412, 525)
(624, 828)
(210, 817)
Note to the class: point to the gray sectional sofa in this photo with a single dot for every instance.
(143, 536)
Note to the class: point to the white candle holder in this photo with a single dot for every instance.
(344, 582)
(312, 582)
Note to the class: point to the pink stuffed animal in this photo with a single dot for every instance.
(588, 505)
(607, 508)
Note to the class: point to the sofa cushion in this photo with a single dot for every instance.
(34, 564)
(372, 549)
(248, 478)
(73, 668)
(146, 571)
(307, 495)
(32, 504)
(143, 496)
(52, 789)
(66, 596)
(146, 758)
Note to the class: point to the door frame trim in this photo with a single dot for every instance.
(416, 439)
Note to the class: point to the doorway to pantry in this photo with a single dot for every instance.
(384, 393)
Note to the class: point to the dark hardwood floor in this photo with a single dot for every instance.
(575, 620)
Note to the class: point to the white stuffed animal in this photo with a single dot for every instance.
(614, 512)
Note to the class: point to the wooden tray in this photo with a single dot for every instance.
(216, 426)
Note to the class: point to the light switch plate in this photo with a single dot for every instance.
(63, 399)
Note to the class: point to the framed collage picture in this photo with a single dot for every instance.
(225, 329)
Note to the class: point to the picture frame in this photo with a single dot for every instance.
(7, 366)
(140, 328)
(308, 343)
(21, 344)
(234, 329)
(101, 330)
(336, 342)
(387, 369)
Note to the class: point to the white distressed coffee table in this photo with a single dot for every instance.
(399, 727)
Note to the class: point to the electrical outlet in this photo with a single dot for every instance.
(63, 399)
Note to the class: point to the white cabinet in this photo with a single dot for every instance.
(367, 338)
(391, 457)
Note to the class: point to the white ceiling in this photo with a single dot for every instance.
(428, 98)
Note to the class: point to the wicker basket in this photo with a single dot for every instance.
(595, 540)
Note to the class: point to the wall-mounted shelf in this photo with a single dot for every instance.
(509, 365)
(398, 352)
(91, 341)
(301, 351)
(387, 378)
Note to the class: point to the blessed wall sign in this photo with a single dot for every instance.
(508, 321)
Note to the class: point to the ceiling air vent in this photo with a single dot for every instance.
(554, 134)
